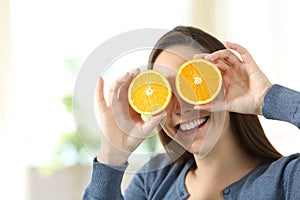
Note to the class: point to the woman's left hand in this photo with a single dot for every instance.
(245, 84)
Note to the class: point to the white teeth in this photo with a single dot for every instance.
(191, 125)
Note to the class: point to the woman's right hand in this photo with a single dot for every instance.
(122, 129)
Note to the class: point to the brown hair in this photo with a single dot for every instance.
(247, 128)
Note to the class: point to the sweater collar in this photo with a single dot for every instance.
(180, 186)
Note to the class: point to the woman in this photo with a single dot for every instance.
(239, 163)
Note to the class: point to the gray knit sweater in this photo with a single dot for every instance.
(274, 180)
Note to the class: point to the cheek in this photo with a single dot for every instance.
(219, 123)
(169, 132)
(168, 127)
(175, 103)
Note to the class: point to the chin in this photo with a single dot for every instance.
(198, 135)
(195, 147)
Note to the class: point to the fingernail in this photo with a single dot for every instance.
(136, 72)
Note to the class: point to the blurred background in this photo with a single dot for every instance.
(43, 44)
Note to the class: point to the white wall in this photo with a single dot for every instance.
(44, 34)
(269, 30)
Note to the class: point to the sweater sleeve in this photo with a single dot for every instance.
(135, 189)
(281, 103)
(291, 178)
(105, 183)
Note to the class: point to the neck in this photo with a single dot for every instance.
(225, 164)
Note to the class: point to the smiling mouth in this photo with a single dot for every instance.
(194, 124)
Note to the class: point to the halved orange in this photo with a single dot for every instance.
(198, 81)
(149, 93)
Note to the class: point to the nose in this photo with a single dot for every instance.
(184, 109)
(181, 107)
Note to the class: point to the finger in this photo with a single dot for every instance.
(227, 55)
(121, 86)
(125, 80)
(152, 123)
(100, 96)
(114, 89)
(241, 50)
(136, 72)
(200, 55)
(218, 104)
(147, 127)
(123, 90)
(121, 109)
(223, 65)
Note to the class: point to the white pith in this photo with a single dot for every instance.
(197, 80)
(149, 91)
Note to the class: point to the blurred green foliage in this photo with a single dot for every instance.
(71, 149)
(67, 101)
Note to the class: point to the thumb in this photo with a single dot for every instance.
(212, 107)
(153, 122)
(143, 131)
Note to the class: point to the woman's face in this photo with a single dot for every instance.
(196, 130)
